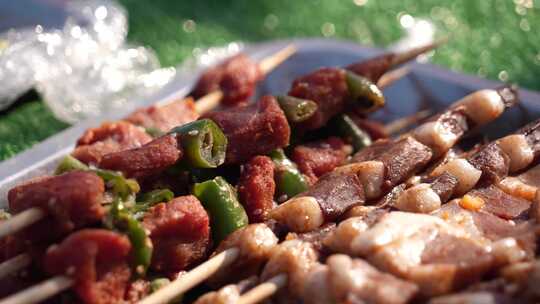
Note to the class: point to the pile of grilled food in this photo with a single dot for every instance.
(298, 198)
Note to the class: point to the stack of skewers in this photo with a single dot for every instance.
(298, 198)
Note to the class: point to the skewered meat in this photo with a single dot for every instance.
(180, 233)
(229, 294)
(330, 197)
(328, 88)
(108, 138)
(236, 77)
(294, 258)
(487, 166)
(255, 242)
(315, 237)
(100, 267)
(71, 201)
(317, 158)
(256, 188)
(150, 159)
(165, 117)
(252, 130)
(424, 249)
(356, 280)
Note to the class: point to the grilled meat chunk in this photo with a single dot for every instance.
(236, 77)
(251, 130)
(256, 188)
(71, 201)
(110, 137)
(100, 267)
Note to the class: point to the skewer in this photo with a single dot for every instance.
(263, 290)
(14, 264)
(202, 105)
(203, 271)
(269, 63)
(40, 292)
(392, 76)
(21, 220)
(192, 278)
(402, 123)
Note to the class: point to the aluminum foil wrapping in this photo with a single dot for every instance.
(84, 69)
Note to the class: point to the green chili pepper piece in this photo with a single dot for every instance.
(156, 196)
(141, 244)
(158, 283)
(219, 199)
(289, 181)
(70, 163)
(353, 134)
(203, 142)
(116, 181)
(297, 109)
(367, 97)
(154, 132)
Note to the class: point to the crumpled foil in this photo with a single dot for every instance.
(84, 69)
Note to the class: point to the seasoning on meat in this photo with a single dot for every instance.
(108, 138)
(150, 159)
(256, 129)
(256, 188)
(320, 157)
(99, 267)
(165, 117)
(236, 77)
(180, 232)
(71, 201)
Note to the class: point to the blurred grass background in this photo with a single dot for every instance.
(497, 39)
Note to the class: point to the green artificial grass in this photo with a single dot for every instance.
(496, 39)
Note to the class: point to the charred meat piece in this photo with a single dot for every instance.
(180, 232)
(236, 77)
(320, 157)
(256, 188)
(256, 129)
(71, 201)
(165, 117)
(315, 237)
(255, 242)
(148, 160)
(99, 267)
(493, 163)
(108, 138)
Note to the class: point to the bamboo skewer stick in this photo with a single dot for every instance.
(19, 221)
(40, 292)
(392, 76)
(14, 264)
(263, 290)
(269, 63)
(192, 278)
(202, 105)
(400, 124)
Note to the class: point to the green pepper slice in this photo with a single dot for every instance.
(219, 199)
(120, 185)
(297, 109)
(142, 248)
(366, 96)
(350, 131)
(203, 142)
(289, 181)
